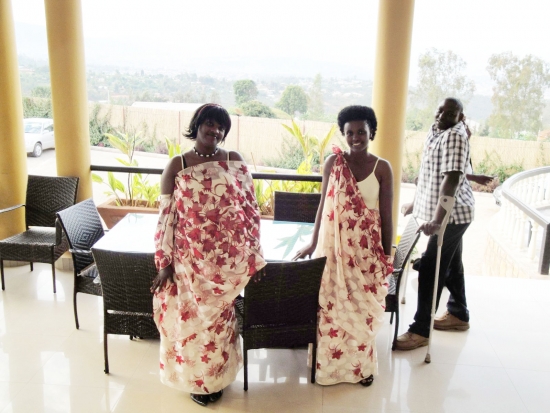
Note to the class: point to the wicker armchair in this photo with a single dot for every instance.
(82, 226)
(295, 206)
(126, 280)
(404, 249)
(43, 241)
(280, 310)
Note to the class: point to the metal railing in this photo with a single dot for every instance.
(255, 175)
(525, 195)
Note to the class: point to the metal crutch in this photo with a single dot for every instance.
(447, 203)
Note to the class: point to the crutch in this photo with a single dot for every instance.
(447, 203)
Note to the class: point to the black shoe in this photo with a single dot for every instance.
(368, 381)
(214, 397)
(201, 399)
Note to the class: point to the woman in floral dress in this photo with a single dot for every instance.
(207, 249)
(353, 229)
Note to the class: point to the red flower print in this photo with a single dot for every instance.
(185, 315)
(233, 252)
(336, 354)
(197, 254)
(329, 306)
(216, 290)
(203, 198)
(179, 360)
(205, 358)
(357, 371)
(330, 192)
(218, 329)
(199, 383)
(362, 347)
(352, 223)
(173, 290)
(194, 234)
(218, 279)
(244, 169)
(208, 246)
(369, 321)
(224, 166)
(188, 339)
(351, 262)
(364, 243)
(211, 346)
(225, 356)
(207, 183)
(333, 333)
(213, 215)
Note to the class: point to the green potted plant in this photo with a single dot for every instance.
(137, 194)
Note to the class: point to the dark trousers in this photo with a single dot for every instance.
(451, 275)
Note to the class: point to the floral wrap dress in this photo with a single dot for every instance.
(354, 286)
(209, 231)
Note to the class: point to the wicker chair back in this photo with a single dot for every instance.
(280, 310)
(126, 280)
(405, 247)
(83, 229)
(47, 195)
(295, 206)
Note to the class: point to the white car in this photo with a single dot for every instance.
(38, 135)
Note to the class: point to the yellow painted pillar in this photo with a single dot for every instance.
(391, 79)
(69, 96)
(13, 159)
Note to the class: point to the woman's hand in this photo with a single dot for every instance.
(304, 252)
(164, 275)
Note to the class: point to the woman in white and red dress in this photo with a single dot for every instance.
(353, 229)
(207, 249)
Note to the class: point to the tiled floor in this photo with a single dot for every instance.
(502, 364)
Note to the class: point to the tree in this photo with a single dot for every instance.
(440, 76)
(256, 109)
(293, 100)
(42, 92)
(518, 94)
(245, 91)
(316, 110)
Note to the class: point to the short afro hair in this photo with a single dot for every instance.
(211, 111)
(358, 112)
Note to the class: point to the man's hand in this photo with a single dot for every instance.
(429, 228)
(407, 209)
(481, 179)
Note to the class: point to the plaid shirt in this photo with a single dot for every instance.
(444, 151)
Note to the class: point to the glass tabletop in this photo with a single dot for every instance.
(135, 233)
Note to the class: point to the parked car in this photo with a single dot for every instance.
(38, 135)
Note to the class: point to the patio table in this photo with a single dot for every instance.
(135, 233)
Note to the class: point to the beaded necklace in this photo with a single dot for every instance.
(205, 156)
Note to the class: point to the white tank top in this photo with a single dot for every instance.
(370, 189)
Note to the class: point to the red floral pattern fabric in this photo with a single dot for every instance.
(353, 287)
(209, 231)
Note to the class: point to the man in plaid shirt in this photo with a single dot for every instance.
(445, 158)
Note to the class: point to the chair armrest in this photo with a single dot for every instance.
(83, 252)
(11, 208)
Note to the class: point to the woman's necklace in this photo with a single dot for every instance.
(205, 156)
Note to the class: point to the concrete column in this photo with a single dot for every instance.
(13, 159)
(69, 96)
(391, 79)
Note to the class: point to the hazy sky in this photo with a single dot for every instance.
(302, 35)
